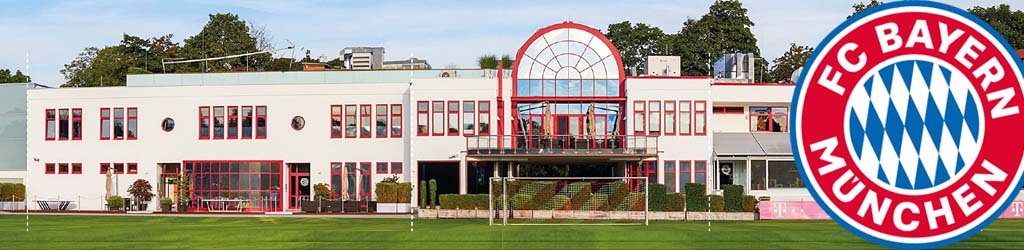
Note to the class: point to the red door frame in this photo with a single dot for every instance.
(293, 186)
(192, 177)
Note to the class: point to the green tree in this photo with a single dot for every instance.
(488, 62)
(724, 29)
(18, 77)
(793, 59)
(861, 6)
(635, 42)
(507, 61)
(109, 66)
(1009, 23)
(223, 35)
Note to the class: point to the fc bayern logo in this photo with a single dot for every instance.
(905, 124)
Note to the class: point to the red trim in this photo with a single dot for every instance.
(724, 110)
(436, 112)
(266, 130)
(76, 122)
(241, 126)
(365, 172)
(769, 126)
(396, 118)
(453, 110)
(165, 120)
(753, 84)
(568, 99)
(129, 128)
(376, 168)
(483, 117)
(301, 126)
(105, 118)
(339, 173)
(688, 117)
(113, 125)
(675, 117)
(76, 168)
(232, 122)
(337, 118)
(118, 170)
(204, 118)
(567, 25)
(652, 130)
(63, 122)
(378, 116)
(700, 113)
(218, 116)
(133, 168)
(50, 115)
(365, 120)
(351, 115)
(50, 168)
(693, 166)
(639, 109)
(423, 108)
(197, 169)
(470, 114)
(668, 77)
(104, 167)
(396, 168)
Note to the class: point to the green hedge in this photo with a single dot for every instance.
(619, 193)
(558, 202)
(423, 194)
(658, 197)
(597, 202)
(733, 198)
(12, 192)
(717, 203)
(637, 201)
(521, 202)
(749, 203)
(542, 192)
(696, 197)
(581, 195)
(404, 192)
(115, 202)
(675, 202)
(387, 192)
(464, 201)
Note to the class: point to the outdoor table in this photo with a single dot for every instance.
(224, 205)
(58, 205)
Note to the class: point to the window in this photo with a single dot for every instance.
(396, 120)
(684, 175)
(336, 117)
(104, 167)
(670, 176)
(336, 174)
(727, 110)
(261, 122)
(133, 168)
(654, 117)
(204, 122)
(769, 119)
(758, 175)
(396, 168)
(76, 168)
(422, 118)
(76, 124)
(670, 117)
(298, 123)
(468, 117)
(63, 129)
(350, 121)
(453, 117)
(699, 118)
(250, 180)
(485, 118)
(118, 168)
(167, 125)
(364, 181)
(118, 123)
(51, 168)
(382, 120)
(783, 174)
(366, 127)
(246, 122)
(438, 120)
(638, 118)
(651, 171)
(51, 124)
(382, 168)
(699, 171)
(133, 123)
(350, 180)
(684, 117)
(232, 122)
(63, 168)
(218, 122)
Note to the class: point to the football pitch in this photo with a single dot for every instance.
(156, 232)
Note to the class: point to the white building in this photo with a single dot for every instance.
(269, 136)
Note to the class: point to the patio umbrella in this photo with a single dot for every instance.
(549, 122)
(591, 120)
(107, 194)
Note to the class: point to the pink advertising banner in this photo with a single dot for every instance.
(809, 210)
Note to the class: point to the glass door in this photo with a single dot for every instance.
(298, 184)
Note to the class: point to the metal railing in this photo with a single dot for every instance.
(561, 145)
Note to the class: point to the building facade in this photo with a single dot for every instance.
(566, 108)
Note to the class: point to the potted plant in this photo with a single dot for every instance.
(184, 184)
(165, 204)
(142, 192)
(321, 192)
(115, 203)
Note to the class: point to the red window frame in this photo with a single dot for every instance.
(117, 171)
(104, 167)
(700, 113)
(113, 128)
(242, 123)
(453, 112)
(132, 168)
(209, 126)
(376, 168)
(398, 169)
(688, 117)
(338, 117)
(76, 168)
(436, 113)
(65, 123)
(50, 168)
(128, 123)
(650, 118)
(770, 116)
(266, 122)
(213, 125)
(639, 117)
(47, 114)
(483, 115)
(367, 173)
(727, 110)
(376, 121)
(365, 116)
(396, 118)
(470, 114)
(339, 173)
(109, 123)
(63, 168)
(675, 117)
(355, 120)
(76, 119)
(232, 114)
(423, 109)
(695, 171)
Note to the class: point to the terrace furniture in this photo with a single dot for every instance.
(225, 205)
(54, 205)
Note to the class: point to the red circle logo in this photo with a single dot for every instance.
(902, 122)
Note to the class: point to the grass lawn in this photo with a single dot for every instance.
(122, 232)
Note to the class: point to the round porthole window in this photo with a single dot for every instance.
(298, 123)
(167, 125)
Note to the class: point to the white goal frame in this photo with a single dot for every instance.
(505, 209)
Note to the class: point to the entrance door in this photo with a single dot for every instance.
(298, 184)
(725, 173)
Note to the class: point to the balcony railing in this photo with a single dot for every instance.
(499, 145)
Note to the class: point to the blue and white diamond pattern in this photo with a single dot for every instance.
(914, 124)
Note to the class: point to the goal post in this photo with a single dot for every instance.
(568, 201)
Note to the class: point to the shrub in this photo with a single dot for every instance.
(387, 192)
(448, 201)
(558, 202)
(582, 195)
(166, 201)
(619, 193)
(658, 196)
(733, 198)
(141, 191)
(12, 192)
(696, 197)
(542, 192)
(404, 192)
(115, 202)
(675, 202)
(637, 201)
(423, 194)
(521, 202)
(321, 191)
(479, 201)
(717, 203)
(749, 203)
(597, 201)
(433, 192)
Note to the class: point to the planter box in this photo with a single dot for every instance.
(619, 215)
(165, 208)
(676, 215)
(599, 215)
(309, 206)
(331, 206)
(426, 213)
(537, 214)
(559, 214)
(465, 214)
(636, 215)
(483, 214)
(523, 214)
(446, 214)
(657, 215)
(393, 207)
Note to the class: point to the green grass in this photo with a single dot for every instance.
(123, 232)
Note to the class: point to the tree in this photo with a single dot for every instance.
(488, 62)
(507, 61)
(861, 6)
(18, 77)
(793, 59)
(109, 66)
(635, 42)
(1009, 23)
(724, 29)
(223, 35)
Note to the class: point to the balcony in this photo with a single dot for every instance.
(561, 145)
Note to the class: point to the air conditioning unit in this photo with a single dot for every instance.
(449, 73)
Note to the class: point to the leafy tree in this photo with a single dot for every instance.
(1009, 23)
(794, 58)
(18, 77)
(488, 62)
(109, 65)
(223, 35)
(635, 42)
(861, 6)
(507, 61)
(724, 29)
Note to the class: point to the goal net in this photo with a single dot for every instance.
(568, 201)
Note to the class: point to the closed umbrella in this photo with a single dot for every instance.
(549, 122)
(591, 120)
(107, 194)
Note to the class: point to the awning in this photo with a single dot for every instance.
(752, 144)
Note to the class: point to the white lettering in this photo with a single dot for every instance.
(887, 37)
(961, 200)
(982, 180)
(968, 49)
(932, 213)
(846, 178)
(833, 83)
(946, 38)
(1004, 96)
(992, 72)
(878, 211)
(920, 34)
(897, 216)
(835, 162)
(843, 61)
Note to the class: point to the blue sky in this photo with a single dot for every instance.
(49, 34)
